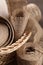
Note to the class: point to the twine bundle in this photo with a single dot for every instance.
(6, 38)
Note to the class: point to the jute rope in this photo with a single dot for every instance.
(16, 45)
(6, 53)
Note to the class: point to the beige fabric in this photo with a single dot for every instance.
(28, 55)
(36, 56)
(14, 4)
(3, 34)
(6, 32)
(19, 20)
(6, 53)
(33, 11)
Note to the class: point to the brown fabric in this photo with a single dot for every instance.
(6, 59)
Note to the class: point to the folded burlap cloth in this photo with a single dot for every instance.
(6, 51)
(6, 54)
(25, 19)
(7, 45)
(14, 4)
(29, 55)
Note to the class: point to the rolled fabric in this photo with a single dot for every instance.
(28, 55)
(4, 9)
(19, 20)
(6, 38)
(6, 32)
(7, 53)
(33, 11)
(14, 4)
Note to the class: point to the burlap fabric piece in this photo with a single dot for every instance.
(6, 38)
(29, 55)
(21, 57)
(19, 19)
(6, 54)
(31, 14)
(34, 14)
(6, 31)
(5, 51)
(9, 49)
(13, 4)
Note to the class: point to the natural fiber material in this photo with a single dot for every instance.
(41, 42)
(26, 13)
(34, 14)
(28, 62)
(6, 38)
(28, 55)
(19, 20)
(16, 45)
(14, 4)
(6, 53)
(33, 11)
(7, 58)
(6, 31)
(38, 35)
